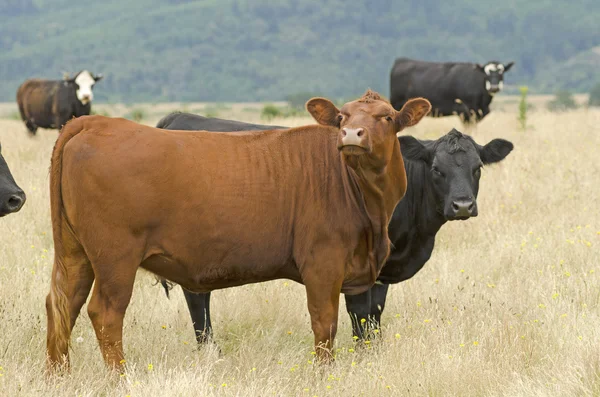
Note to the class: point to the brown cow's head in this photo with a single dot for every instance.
(368, 126)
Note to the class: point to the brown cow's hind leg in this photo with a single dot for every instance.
(80, 278)
(110, 298)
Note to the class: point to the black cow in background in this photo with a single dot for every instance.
(51, 103)
(12, 197)
(443, 182)
(465, 89)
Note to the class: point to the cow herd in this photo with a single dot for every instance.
(341, 206)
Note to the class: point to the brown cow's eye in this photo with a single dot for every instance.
(389, 118)
(340, 118)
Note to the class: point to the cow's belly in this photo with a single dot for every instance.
(204, 276)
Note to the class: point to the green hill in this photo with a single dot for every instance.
(578, 73)
(242, 50)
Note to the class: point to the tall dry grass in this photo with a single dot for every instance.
(507, 306)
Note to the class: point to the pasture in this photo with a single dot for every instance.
(508, 305)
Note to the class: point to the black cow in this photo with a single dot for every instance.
(465, 89)
(193, 122)
(443, 182)
(51, 103)
(12, 197)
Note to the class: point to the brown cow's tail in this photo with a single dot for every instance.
(59, 304)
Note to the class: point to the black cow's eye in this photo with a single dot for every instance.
(436, 171)
(477, 172)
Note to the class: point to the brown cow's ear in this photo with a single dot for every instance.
(412, 112)
(323, 111)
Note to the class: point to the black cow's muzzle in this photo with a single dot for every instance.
(12, 203)
(461, 210)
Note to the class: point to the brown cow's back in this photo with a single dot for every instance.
(236, 208)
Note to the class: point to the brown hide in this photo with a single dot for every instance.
(215, 210)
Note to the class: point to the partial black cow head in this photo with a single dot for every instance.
(83, 83)
(454, 163)
(12, 197)
(494, 75)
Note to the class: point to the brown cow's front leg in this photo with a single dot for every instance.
(323, 287)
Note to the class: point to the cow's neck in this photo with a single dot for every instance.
(415, 223)
(380, 190)
(419, 207)
(487, 99)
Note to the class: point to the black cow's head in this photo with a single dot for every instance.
(12, 197)
(494, 75)
(83, 83)
(454, 167)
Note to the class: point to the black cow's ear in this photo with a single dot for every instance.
(323, 111)
(98, 77)
(496, 150)
(508, 66)
(413, 149)
(412, 112)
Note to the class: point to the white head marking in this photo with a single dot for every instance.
(85, 81)
(489, 68)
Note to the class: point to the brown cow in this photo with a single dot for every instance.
(216, 210)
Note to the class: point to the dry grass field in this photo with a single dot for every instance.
(507, 306)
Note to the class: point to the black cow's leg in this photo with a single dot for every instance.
(32, 128)
(484, 112)
(365, 311)
(358, 307)
(378, 298)
(60, 121)
(199, 307)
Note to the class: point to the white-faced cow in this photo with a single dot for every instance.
(443, 183)
(12, 197)
(463, 89)
(51, 103)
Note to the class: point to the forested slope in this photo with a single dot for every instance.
(241, 50)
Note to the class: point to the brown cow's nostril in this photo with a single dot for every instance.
(343, 132)
(360, 132)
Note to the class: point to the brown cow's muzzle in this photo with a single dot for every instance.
(353, 141)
